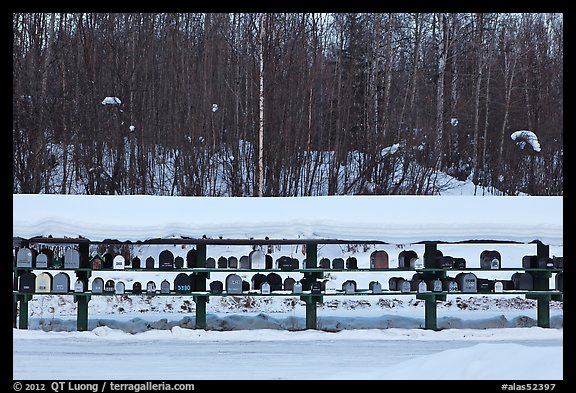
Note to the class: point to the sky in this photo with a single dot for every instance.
(139, 338)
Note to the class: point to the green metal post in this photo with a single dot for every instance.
(200, 311)
(311, 310)
(23, 320)
(82, 311)
(543, 311)
(201, 300)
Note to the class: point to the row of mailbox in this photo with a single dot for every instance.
(407, 259)
(234, 284)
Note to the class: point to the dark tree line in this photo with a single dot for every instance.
(350, 103)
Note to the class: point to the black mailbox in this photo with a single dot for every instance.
(432, 259)
(166, 260)
(316, 287)
(269, 261)
(445, 262)
(286, 263)
(137, 288)
(27, 282)
(109, 286)
(136, 263)
(216, 287)
(394, 283)
(523, 281)
(407, 259)
(289, 283)
(149, 263)
(559, 281)
(490, 259)
(434, 284)
(107, 260)
(324, 263)
(545, 263)
(275, 281)
(182, 283)
(210, 263)
(558, 262)
(257, 281)
(178, 262)
(351, 263)
(232, 262)
(338, 263)
(459, 263)
(415, 281)
(244, 262)
(485, 285)
(530, 261)
(245, 286)
(222, 263)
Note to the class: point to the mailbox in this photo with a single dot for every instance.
(485, 285)
(557, 261)
(379, 260)
(467, 282)
(96, 262)
(315, 287)
(269, 261)
(407, 259)
(338, 263)
(61, 283)
(434, 285)
(107, 261)
(109, 286)
(257, 260)
(244, 262)
(191, 256)
(257, 280)
(545, 263)
(265, 288)
(98, 285)
(165, 286)
(120, 288)
(286, 263)
(559, 281)
(81, 285)
(182, 283)
(490, 259)
(24, 258)
(232, 262)
(445, 262)
(222, 263)
(216, 287)
(349, 286)
(415, 281)
(375, 287)
(150, 263)
(245, 286)
(137, 288)
(449, 284)
(394, 283)
(119, 262)
(150, 288)
(530, 261)
(297, 288)
(459, 263)
(44, 259)
(44, 283)
(136, 263)
(274, 281)
(210, 263)
(178, 262)
(351, 263)
(324, 263)
(405, 286)
(71, 259)
(289, 283)
(233, 284)
(431, 259)
(166, 260)
(27, 282)
(523, 281)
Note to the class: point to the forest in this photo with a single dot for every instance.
(286, 104)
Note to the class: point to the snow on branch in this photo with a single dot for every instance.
(111, 101)
(524, 137)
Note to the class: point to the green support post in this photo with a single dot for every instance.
(430, 311)
(23, 317)
(542, 283)
(82, 311)
(311, 301)
(201, 300)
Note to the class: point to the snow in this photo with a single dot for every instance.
(523, 137)
(142, 338)
(111, 101)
